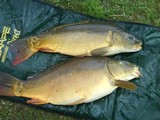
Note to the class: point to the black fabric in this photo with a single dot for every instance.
(32, 17)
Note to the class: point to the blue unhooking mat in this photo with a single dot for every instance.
(22, 18)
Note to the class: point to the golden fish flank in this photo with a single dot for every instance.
(86, 39)
(80, 80)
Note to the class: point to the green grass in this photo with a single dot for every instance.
(17, 111)
(142, 11)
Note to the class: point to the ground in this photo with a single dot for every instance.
(141, 11)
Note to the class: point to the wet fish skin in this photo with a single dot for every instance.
(83, 39)
(80, 80)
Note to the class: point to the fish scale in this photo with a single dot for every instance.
(82, 39)
(77, 81)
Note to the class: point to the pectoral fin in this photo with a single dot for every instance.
(45, 49)
(36, 101)
(99, 51)
(125, 84)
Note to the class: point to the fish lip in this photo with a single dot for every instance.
(138, 46)
(137, 73)
(141, 43)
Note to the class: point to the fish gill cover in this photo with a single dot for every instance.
(25, 18)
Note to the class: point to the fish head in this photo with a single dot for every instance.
(123, 70)
(125, 42)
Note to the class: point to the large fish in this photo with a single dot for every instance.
(81, 39)
(74, 82)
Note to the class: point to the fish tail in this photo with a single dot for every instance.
(9, 85)
(23, 49)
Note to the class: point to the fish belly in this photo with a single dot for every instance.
(101, 90)
(82, 93)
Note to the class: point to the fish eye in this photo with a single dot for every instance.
(130, 37)
(124, 63)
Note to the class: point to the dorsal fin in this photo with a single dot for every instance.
(87, 22)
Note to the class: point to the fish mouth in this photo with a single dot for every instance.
(137, 72)
(138, 46)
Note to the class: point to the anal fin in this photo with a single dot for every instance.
(36, 101)
(125, 84)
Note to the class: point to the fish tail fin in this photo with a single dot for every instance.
(9, 85)
(23, 49)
